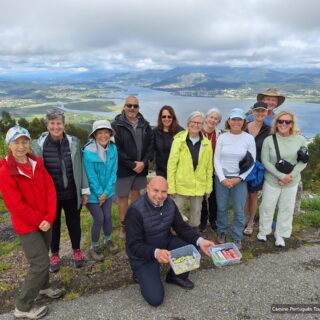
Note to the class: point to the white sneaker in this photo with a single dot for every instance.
(279, 241)
(261, 237)
(34, 313)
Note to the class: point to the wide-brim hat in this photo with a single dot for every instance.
(272, 92)
(101, 124)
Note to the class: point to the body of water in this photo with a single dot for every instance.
(151, 101)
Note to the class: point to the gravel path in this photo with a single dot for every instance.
(245, 291)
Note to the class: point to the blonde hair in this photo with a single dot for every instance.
(293, 130)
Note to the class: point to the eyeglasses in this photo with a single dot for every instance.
(280, 121)
(130, 106)
(166, 117)
(196, 123)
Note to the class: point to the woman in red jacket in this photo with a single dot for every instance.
(29, 194)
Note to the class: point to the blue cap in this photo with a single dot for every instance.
(237, 113)
(15, 133)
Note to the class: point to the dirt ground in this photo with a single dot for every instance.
(115, 272)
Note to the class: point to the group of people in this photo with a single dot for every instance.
(201, 164)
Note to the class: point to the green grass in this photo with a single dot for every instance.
(7, 247)
(311, 218)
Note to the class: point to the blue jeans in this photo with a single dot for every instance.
(238, 196)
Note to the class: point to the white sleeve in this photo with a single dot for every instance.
(217, 159)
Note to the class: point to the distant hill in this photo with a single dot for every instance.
(215, 78)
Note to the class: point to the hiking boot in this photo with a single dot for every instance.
(221, 238)
(78, 258)
(52, 293)
(34, 313)
(237, 243)
(54, 263)
(279, 241)
(95, 255)
(111, 247)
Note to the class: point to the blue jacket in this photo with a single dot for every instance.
(101, 175)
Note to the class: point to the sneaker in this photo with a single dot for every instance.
(95, 255)
(110, 246)
(221, 238)
(78, 258)
(261, 237)
(34, 313)
(54, 263)
(237, 243)
(279, 241)
(52, 293)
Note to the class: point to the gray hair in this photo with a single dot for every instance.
(53, 114)
(212, 110)
(193, 115)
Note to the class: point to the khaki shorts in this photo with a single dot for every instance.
(124, 185)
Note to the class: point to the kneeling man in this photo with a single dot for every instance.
(148, 223)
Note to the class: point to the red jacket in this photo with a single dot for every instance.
(29, 200)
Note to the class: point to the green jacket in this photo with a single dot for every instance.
(288, 147)
(182, 179)
(80, 177)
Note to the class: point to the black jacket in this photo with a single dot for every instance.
(160, 150)
(263, 133)
(149, 227)
(126, 145)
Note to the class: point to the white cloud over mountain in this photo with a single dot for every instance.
(148, 34)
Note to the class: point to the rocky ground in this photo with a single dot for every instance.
(114, 272)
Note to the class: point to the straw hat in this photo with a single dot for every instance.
(271, 92)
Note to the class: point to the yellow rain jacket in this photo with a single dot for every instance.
(182, 179)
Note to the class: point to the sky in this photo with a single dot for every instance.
(121, 35)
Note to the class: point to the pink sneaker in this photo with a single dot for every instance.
(78, 258)
(54, 262)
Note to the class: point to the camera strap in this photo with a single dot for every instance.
(276, 146)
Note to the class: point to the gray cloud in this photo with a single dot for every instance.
(140, 34)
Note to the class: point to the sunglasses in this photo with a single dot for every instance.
(285, 121)
(166, 117)
(130, 106)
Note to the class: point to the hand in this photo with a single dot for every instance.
(102, 199)
(226, 183)
(44, 226)
(85, 198)
(205, 246)
(235, 181)
(287, 179)
(139, 166)
(163, 256)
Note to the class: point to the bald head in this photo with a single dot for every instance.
(157, 190)
(131, 100)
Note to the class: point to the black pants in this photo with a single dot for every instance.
(148, 275)
(72, 214)
(212, 212)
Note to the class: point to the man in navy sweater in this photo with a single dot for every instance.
(148, 224)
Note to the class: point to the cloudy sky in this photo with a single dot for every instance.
(79, 35)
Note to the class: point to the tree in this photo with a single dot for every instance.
(3, 147)
(6, 121)
(311, 175)
(23, 122)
